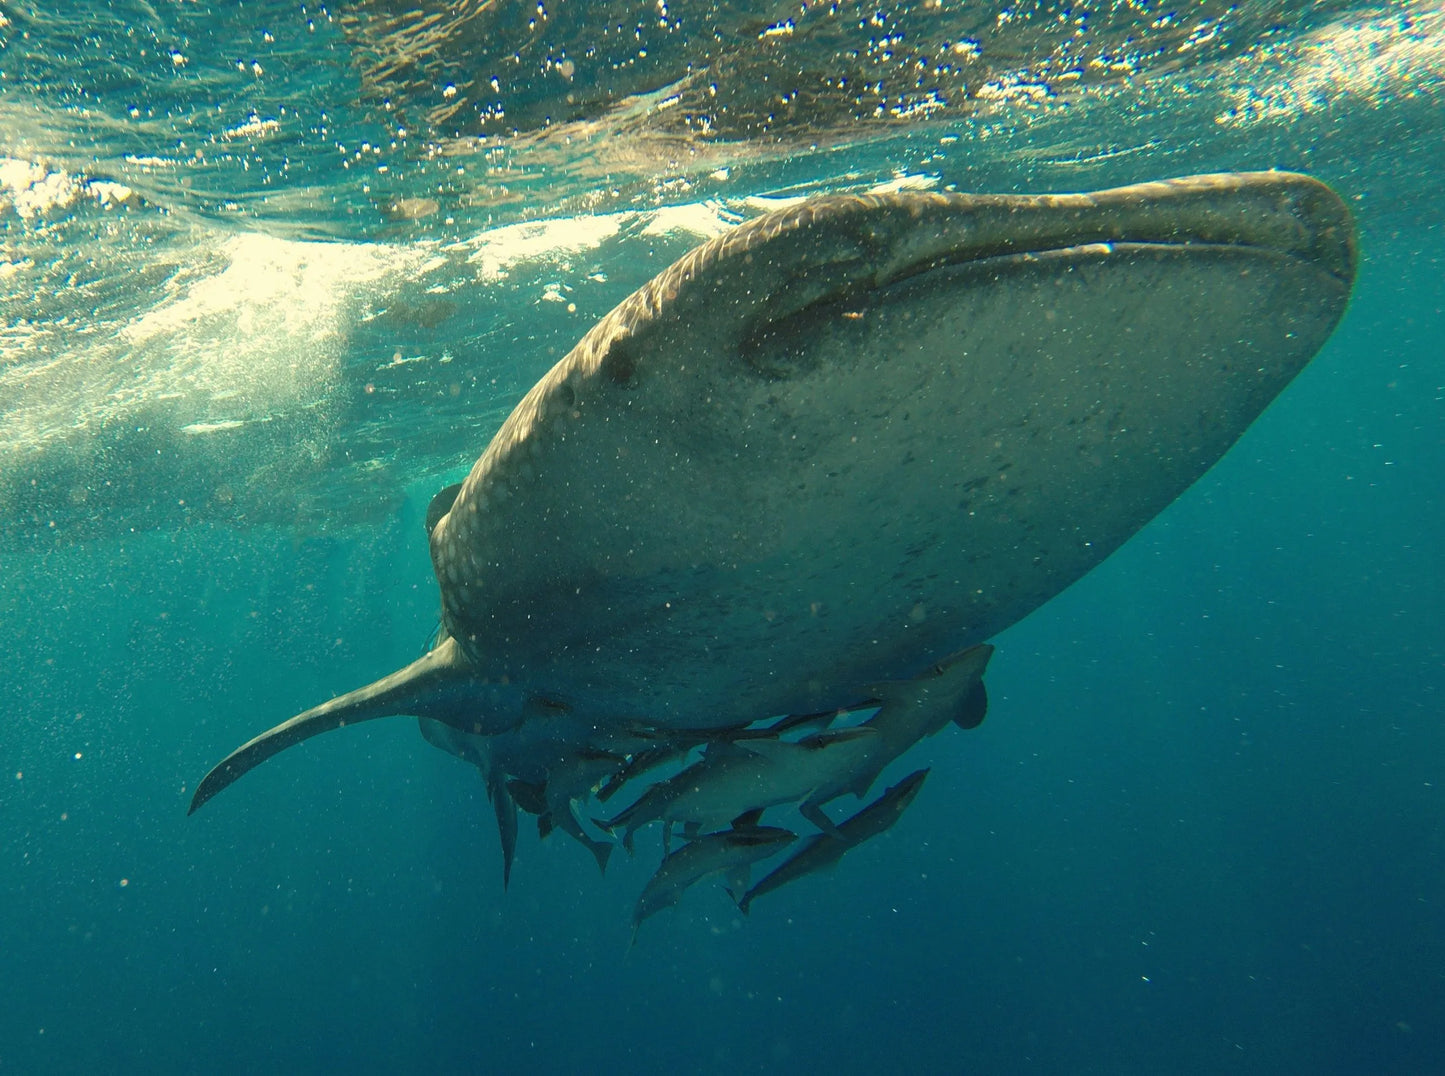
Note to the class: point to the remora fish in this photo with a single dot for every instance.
(843, 439)
(731, 851)
(547, 786)
(569, 780)
(824, 849)
(951, 691)
(760, 773)
(751, 775)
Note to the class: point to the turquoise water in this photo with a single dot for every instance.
(1200, 830)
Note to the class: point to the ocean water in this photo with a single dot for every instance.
(271, 274)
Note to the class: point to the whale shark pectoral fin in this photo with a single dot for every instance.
(436, 685)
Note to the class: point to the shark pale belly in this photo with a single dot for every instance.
(839, 443)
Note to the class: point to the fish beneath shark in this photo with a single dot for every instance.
(824, 849)
(819, 452)
(734, 778)
(731, 852)
(748, 774)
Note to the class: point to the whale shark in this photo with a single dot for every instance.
(836, 443)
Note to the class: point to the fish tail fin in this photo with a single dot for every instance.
(601, 851)
(737, 883)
